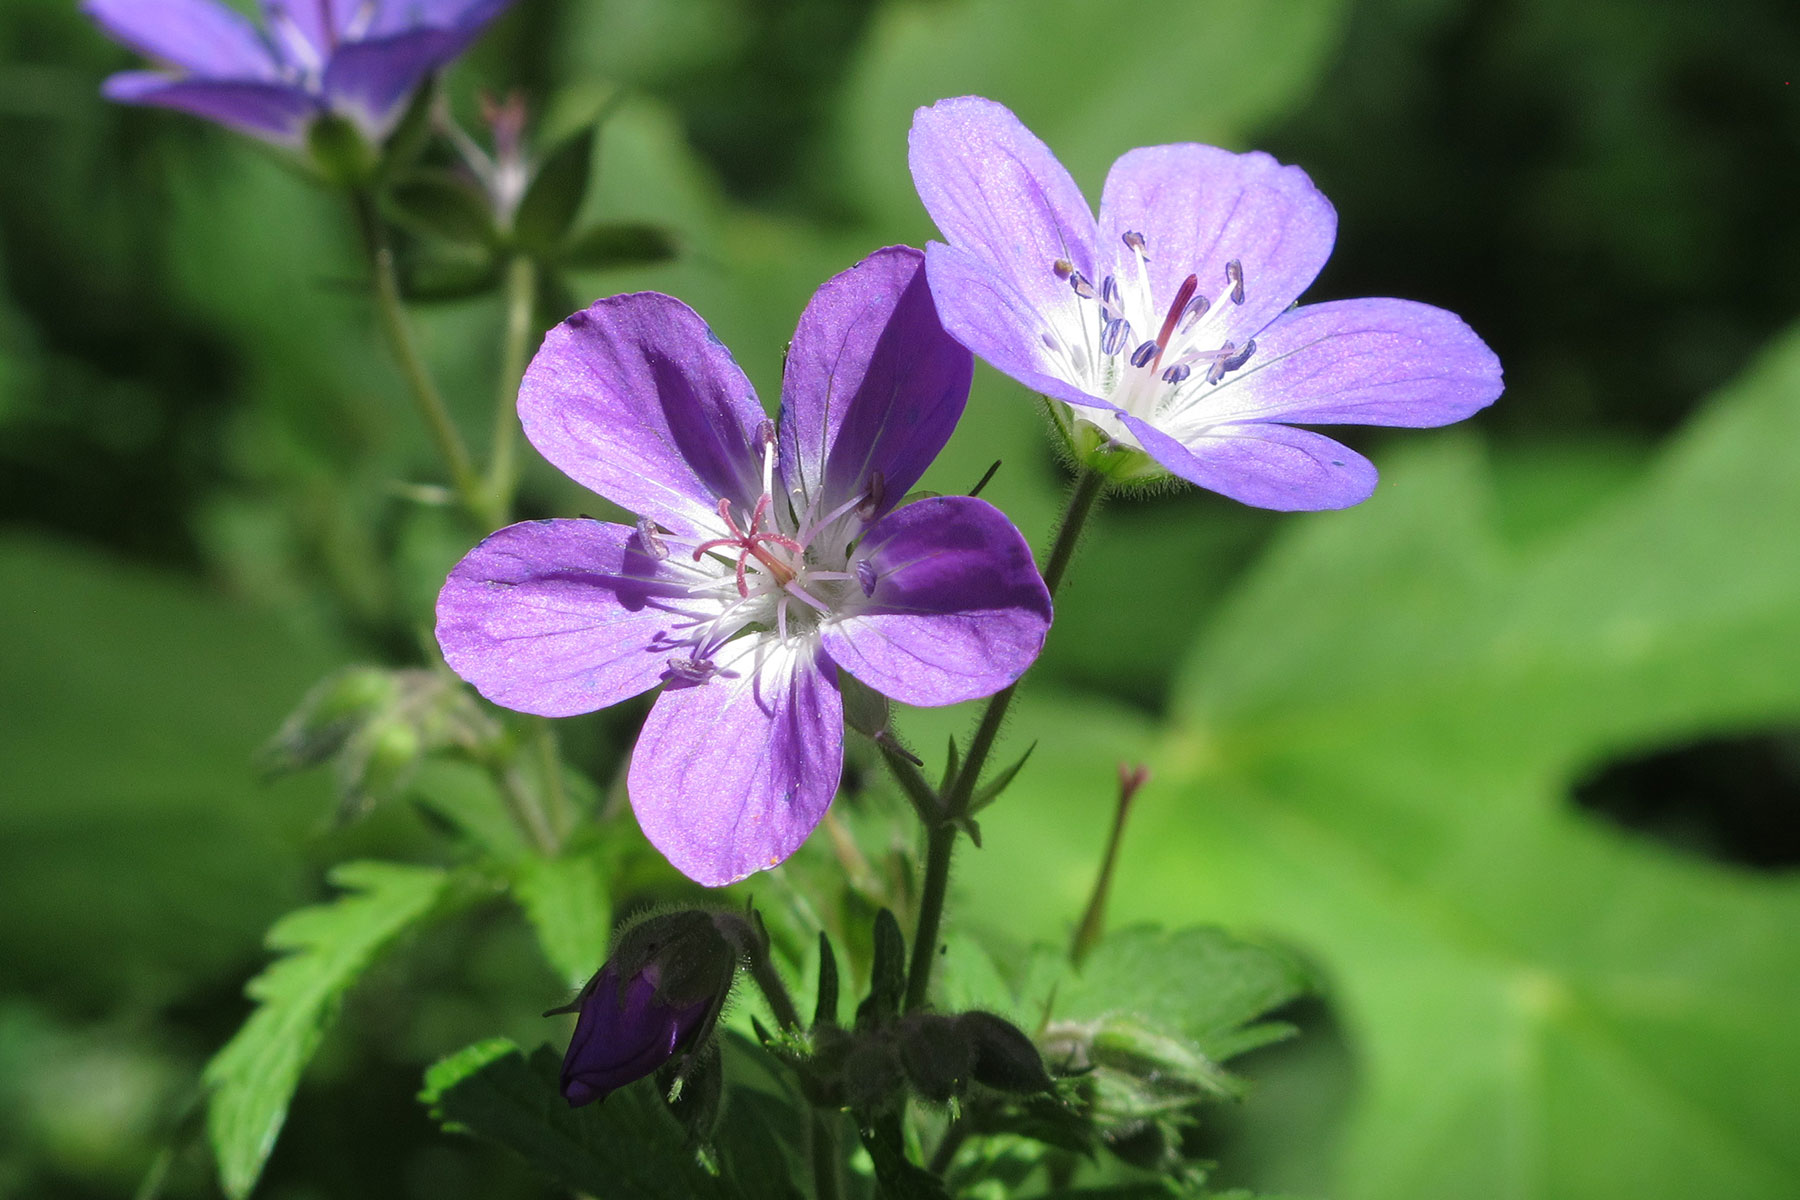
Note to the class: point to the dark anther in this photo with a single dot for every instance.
(1196, 309)
(1135, 240)
(1234, 275)
(1109, 292)
(1115, 335)
(872, 499)
(1176, 373)
(1221, 356)
(1082, 287)
(653, 543)
(1241, 357)
(1144, 353)
(865, 575)
(1063, 268)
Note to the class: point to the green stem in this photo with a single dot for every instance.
(1090, 485)
(515, 346)
(556, 798)
(526, 812)
(827, 1159)
(394, 324)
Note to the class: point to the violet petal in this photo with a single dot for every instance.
(730, 775)
(873, 384)
(563, 617)
(1361, 362)
(958, 610)
(983, 310)
(1202, 207)
(203, 36)
(996, 191)
(623, 1034)
(637, 400)
(1268, 466)
(273, 111)
(397, 16)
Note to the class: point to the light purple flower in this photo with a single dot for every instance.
(1167, 321)
(765, 560)
(360, 59)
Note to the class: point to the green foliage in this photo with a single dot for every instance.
(327, 947)
(627, 1148)
(1545, 1005)
(566, 900)
(555, 195)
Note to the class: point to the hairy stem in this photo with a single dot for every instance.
(515, 347)
(1089, 486)
(398, 329)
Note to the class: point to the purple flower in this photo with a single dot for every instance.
(1168, 321)
(360, 59)
(625, 1031)
(765, 559)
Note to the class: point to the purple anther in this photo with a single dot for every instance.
(865, 575)
(1241, 357)
(1115, 336)
(1196, 308)
(1176, 373)
(1109, 292)
(1220, 357)
(765, 433)
(1144, 353)
(1082, 287)
(1135, 240)
(652, 541)
(693, 670)
(1234, 275)
(873, 498)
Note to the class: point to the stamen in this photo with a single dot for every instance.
(1221, 356)
(1109, 292)
(1082, 287)
(865, 575)
(1197, 308)
(872, 499)
(1176, 373)
(1115, 336)
(1135, 240)
(652, 541)
(694, 670)
(1063, 268)
(1241, 357)
(1234, 275)
(1143, 354)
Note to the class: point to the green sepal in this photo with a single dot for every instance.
(990, 791)
(555, 196)
(612, 244)
(825, 1011)
(887, 981)
(444, 205)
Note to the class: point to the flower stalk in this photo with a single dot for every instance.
(1090, 485)
(503, 456)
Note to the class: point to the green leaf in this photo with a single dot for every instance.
(555, 195)
(990, 791)
(567, 903)
(628, 1147)
(253, 1078)
(444, 205)
(613, 244)
(1372, 759)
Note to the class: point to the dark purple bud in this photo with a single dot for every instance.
(1234, 275)
(657, 997)
(1005, 1059)
(1176, 373)
(624, 1033)
(1114, 337)
(1082, 286)
(1143, 354)
(1135, 241)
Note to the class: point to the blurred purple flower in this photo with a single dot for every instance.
(624, 1032)
(360, 59)
(1167, 321)
(764, 560)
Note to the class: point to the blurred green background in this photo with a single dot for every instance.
(1510, 754)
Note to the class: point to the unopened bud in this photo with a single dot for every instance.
(1005, 1059)
(937, 1053)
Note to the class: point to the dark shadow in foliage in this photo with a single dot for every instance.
(1735, 799)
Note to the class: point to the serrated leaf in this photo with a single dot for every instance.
(443, 205)
(555, 195)
(627, 1148)
(614, 244)
(1373, 755)
(328, 946)
(566, 901)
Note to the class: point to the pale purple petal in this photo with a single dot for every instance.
(954, 607)
(202, 36)
(997, 192)
(1360, 362)
(983, 310)
(1268, 466)
(565, 617)
(730, 775)
(273, 111)
(872, 384)
(1200, 207)
(305, 30)
(637, 400)
(372, 79)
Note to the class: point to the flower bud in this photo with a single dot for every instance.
(1005, 1059)
(657, 997)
